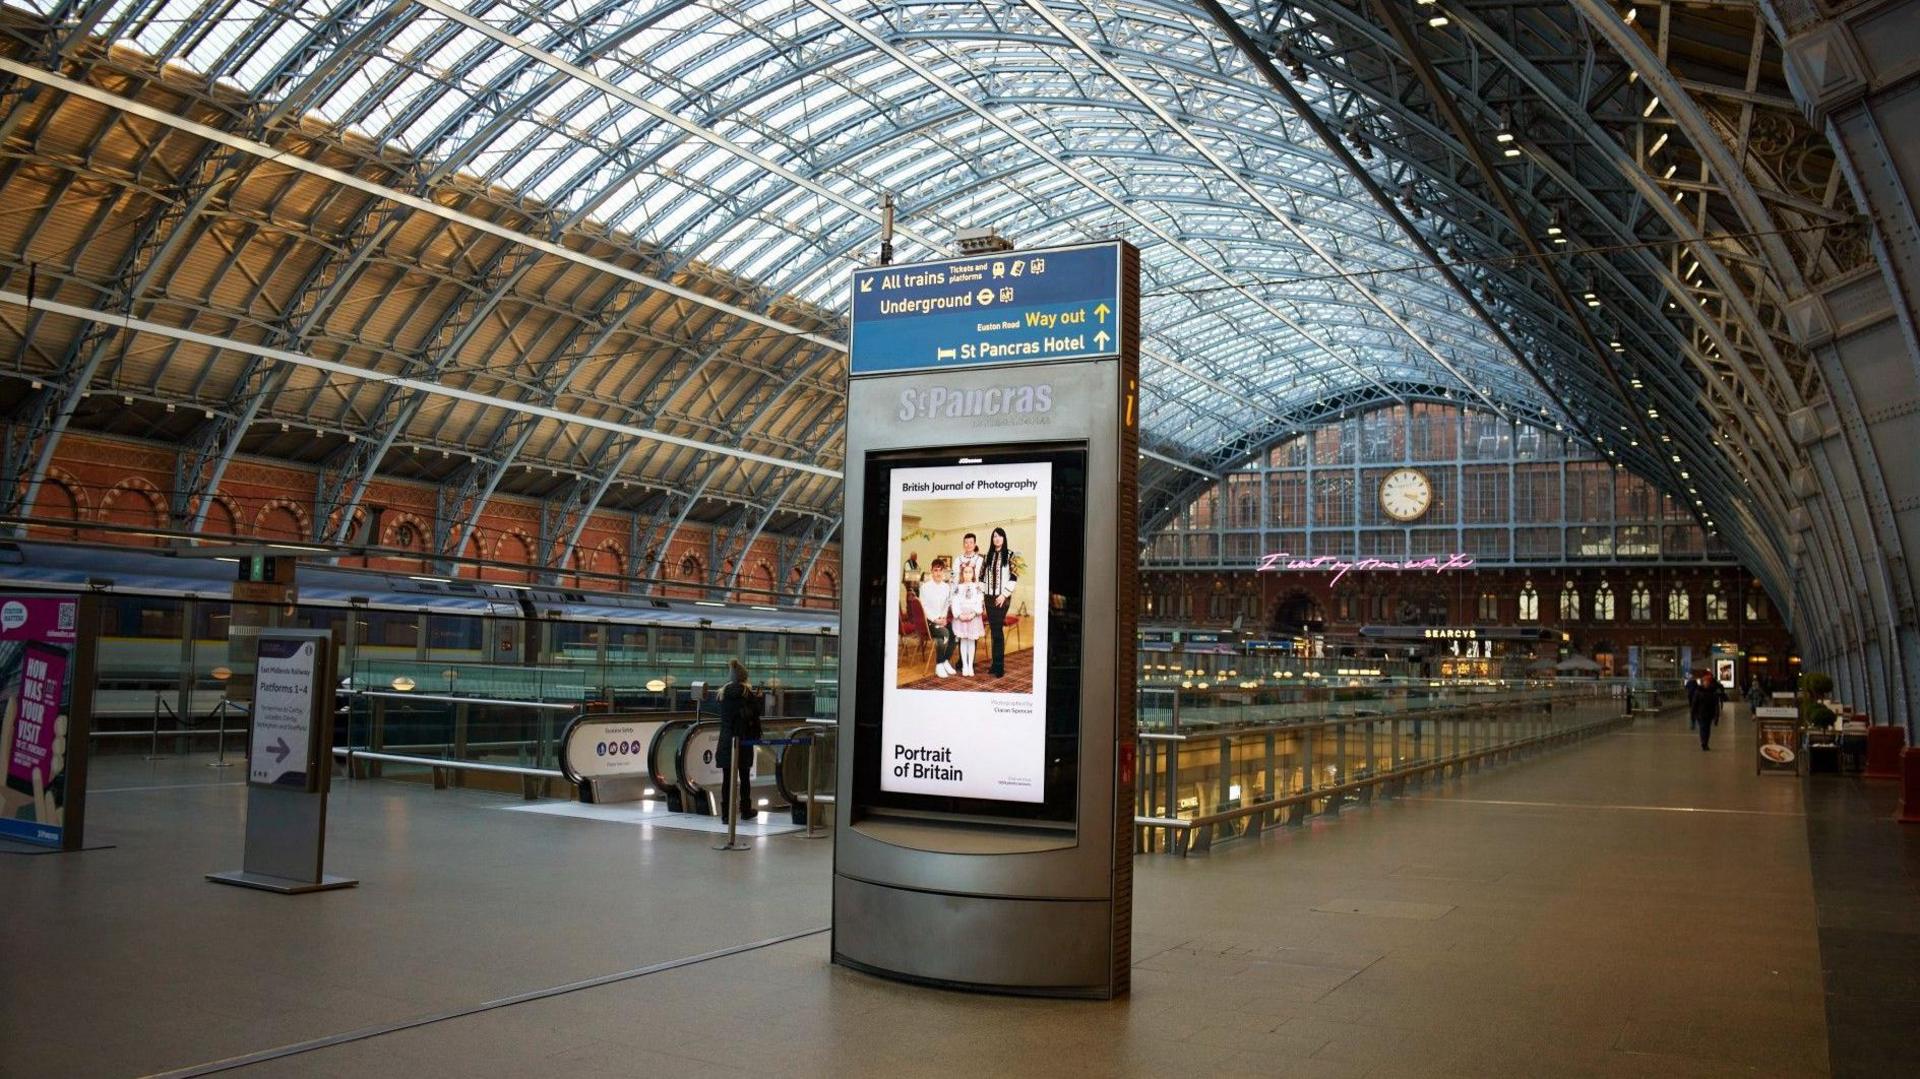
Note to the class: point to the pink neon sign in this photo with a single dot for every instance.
(1281, 560)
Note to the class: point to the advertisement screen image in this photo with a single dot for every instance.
(964, 711)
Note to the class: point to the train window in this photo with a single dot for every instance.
(159, 619)
(333, 621)
(210, 620)
(391, 629)
(720, 645)
(763, 644)
(452, 636)
(139, 616)
(674, 643)
(576, 642)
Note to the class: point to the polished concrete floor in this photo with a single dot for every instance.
(1625, 906)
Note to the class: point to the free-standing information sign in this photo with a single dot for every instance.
(43, 728)
(289, 750)
(285, 689)
(984, 796)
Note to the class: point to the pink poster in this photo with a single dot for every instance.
(37, 636)
(43, 680)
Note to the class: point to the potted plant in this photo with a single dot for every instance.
(1814, 687)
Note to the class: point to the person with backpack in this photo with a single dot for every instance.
(740, 711)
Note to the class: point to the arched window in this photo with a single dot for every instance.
(1715, 603)
(1756, 604)
(1603, 603)
(1489, 607)
(1640, 603)
(1679, 604)
(1529, 603)
(1569, 603)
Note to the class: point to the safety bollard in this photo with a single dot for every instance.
(154, 753)
(813, 787)
(220, 745)
(732, 806)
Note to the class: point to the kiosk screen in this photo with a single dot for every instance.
(970, 633)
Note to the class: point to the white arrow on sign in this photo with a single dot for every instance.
(1101, 339)
(866, 284)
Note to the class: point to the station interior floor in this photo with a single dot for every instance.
(1623, 906)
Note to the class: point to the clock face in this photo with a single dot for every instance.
(1405, 494)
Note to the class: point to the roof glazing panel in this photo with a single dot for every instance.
(778, 124)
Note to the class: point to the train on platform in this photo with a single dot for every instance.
(164, 613)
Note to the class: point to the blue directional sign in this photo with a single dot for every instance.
(1039, 306)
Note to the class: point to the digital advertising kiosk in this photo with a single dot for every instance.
(985, 784)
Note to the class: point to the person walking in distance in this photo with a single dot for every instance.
(740, 711)
(1707, 699)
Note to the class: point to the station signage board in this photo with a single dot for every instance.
(38, 635)
(1456, 633)
(1007, 307)
(286, 699)
(984, 791)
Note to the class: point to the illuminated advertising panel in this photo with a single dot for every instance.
(974, 563)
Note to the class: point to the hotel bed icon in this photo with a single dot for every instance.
(945, 354)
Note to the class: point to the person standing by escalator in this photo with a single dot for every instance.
(740, 711)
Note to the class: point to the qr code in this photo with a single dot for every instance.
(66, 616)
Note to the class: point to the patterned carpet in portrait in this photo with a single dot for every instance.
(1018, 679)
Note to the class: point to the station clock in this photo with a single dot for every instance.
(1405, 494)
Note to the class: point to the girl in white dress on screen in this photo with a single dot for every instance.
(968, 608)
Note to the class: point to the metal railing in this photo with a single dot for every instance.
(1197, 788)
(533, 781)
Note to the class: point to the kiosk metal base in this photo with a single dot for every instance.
(1027, 946)
(282, 885)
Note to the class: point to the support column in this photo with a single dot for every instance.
(1856, 75)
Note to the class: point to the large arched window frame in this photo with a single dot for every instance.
(1715, 603)
(1603, 602)
(1679, 604)
(1529, 603)
(1569, 603)
(1640, 603)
